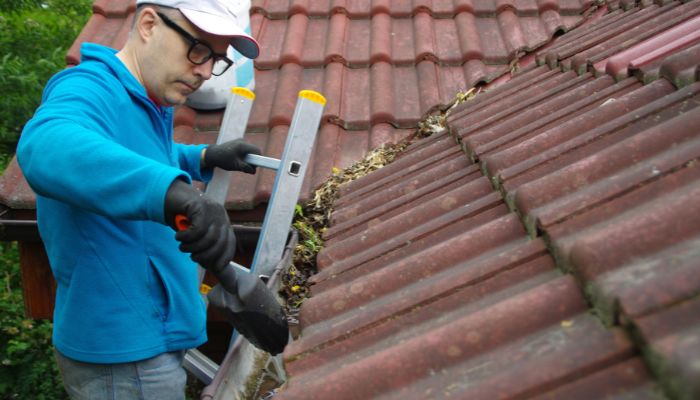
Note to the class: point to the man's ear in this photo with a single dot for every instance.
(146, 21)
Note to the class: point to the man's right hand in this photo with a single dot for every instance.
(209, 238)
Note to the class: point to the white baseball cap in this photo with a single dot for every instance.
(218, 17)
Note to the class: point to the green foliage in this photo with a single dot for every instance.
(27, 367)
(309, 237)
(13, 5)
(4, 160)
(36, 36)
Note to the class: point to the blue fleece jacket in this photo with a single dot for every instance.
(100, 156)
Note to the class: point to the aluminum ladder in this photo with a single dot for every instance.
(290, 171)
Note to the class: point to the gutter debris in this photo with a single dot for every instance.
(311, 221)
(313, 217)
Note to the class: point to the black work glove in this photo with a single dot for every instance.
(230, 155)
(209, 238)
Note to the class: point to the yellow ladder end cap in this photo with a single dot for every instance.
(313, 96)
(241, 91)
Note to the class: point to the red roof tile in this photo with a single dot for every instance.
(382, 65)
(636, 288)
(414, 261)
(529, 365)
(672, 336)
(14, 189)
(628, 379)
(681, 68)
(592, 138)
(429, 287)
(657, 47)
(613, 33)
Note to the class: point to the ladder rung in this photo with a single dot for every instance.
(200, 365)
(262, 161)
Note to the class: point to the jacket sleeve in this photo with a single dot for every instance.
(189, 158)
(65, 154)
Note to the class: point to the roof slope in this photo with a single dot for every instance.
(545, 247)
(381, 64)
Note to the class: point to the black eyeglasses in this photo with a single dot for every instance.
(199, 52)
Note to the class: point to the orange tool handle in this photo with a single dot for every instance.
(182, 223)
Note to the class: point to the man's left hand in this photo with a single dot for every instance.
(230, 156)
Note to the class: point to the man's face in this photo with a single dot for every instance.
(169, 75)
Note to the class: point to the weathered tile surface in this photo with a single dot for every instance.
(586, 217)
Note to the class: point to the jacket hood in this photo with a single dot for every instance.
(94, 58)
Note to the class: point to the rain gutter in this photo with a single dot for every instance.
(245, 367)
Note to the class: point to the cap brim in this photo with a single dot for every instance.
(216, 25)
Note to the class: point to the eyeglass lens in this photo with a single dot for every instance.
(220, 66)
(200, 53)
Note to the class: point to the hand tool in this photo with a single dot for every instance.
(248, 304)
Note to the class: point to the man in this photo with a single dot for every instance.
(109, 182)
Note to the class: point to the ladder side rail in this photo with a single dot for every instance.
(288, 181)
(233, 126)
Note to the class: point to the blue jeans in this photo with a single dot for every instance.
(160, 377)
